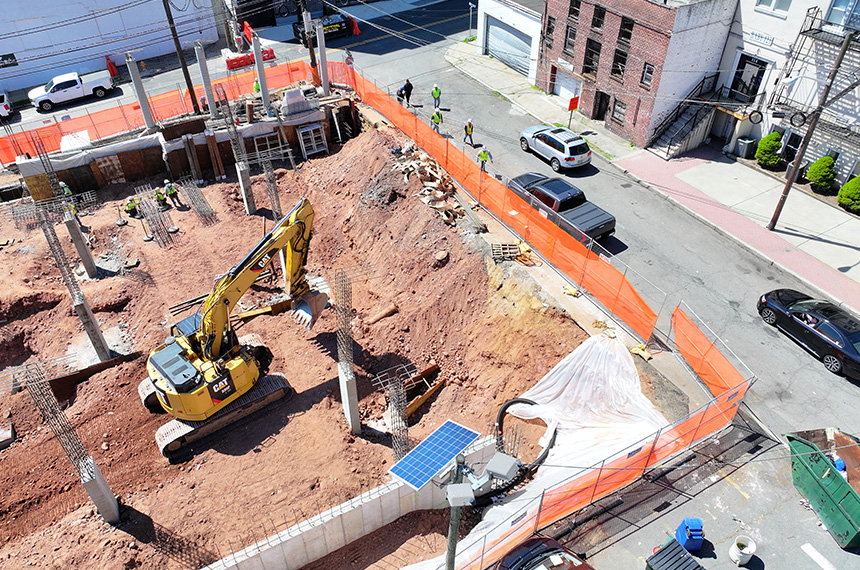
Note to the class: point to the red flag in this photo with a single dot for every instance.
(355, 30)
(111, 68)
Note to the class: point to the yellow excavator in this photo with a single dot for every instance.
(207, 377)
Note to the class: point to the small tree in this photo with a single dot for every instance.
(766, 153)
(849, 196)
(821, 174)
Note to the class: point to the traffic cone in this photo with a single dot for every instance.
(114, 72)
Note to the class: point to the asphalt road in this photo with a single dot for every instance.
(719, 279)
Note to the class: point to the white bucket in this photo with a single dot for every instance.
(742, 550)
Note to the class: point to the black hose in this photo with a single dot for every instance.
(525, 470)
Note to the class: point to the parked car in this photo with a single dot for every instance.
(541, 552)
(5, 104)
(561, 147)
(829, 332)
(568, 201)
(70, 87)
(334, 25)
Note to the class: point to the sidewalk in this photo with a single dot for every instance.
(816, 242)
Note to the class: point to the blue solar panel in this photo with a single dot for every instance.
(431, 455)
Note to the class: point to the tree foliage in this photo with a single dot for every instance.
(768, 147)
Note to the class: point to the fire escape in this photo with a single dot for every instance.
(812, 56)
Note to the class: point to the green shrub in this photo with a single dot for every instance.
(821, 174)
(766, 153)
(849, 196)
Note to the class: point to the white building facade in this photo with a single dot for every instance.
(44, 39)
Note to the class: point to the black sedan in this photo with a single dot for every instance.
(830, 333)
(334, 26)
(541, 552)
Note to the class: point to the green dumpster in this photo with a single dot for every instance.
(828, 492)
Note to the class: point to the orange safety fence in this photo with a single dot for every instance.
(703, 356)
(585, 267)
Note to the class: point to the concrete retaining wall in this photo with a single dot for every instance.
(318, 536)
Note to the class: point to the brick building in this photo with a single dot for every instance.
(631, 62)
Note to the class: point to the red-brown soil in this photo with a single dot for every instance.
(492, 332)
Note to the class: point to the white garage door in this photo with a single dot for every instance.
(508, 45)
(566, 86)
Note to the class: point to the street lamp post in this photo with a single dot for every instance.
(471, 6)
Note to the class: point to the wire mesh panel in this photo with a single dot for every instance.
(159, 221)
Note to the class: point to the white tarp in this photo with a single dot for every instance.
(594, 401)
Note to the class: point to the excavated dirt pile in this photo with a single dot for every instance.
(489, 328)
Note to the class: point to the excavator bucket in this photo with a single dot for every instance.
(307, 309)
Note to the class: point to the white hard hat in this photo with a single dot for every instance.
(435, 85)
(468, 120)
(166, 181)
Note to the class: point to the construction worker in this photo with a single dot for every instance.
(407, 91)
(436, 120)
(467, 132)
(437, 95)
(131, 207)
(67, 192)
(160, 199)
(256, 85)
(483, 156)
(401, 94)
(74, 212)
(172, 192)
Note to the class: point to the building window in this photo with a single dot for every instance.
(625, 34)
(647, 74)
(776, 5)
(570, 39)
(597, 19)
(550, 31)
(618, 111)
(592, 57)
(573, 13)
(619, 63)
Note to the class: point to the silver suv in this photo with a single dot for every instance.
(561, 147)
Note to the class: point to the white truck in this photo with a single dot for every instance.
(70, 86)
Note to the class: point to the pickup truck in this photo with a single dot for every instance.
(69, 87)
(575, 214)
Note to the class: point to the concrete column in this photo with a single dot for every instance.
(323, 66)
(81, 245)
(207, 82)
(261, 71)
(99, 492)
(139, 92)
(91, 326)
(349, 396)
(244, 175)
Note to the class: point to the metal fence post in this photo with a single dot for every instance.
(599, 473)
(701, 421)
(653, 447)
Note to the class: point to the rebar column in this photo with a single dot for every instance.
(91, 477)
(345, 372)
(393, 382)
(82, 308)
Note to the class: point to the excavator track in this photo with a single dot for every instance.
(146, 391)
(174, 435)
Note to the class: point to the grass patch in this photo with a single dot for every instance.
(502, 97)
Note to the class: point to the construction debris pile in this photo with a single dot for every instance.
(438, 190)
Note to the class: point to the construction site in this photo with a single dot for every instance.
(443, 304)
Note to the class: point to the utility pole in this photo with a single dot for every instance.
(307, 22)
(813, 122)
(454, 524)
(179, 53)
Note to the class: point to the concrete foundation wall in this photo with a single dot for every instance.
(318, 536)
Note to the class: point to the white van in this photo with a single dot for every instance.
(5, 104)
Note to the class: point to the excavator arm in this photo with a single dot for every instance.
(292, 235)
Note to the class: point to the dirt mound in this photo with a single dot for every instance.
(488, 327)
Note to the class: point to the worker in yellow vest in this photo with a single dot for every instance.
(437, 95)
(483, 156)
(160, 199)
(172, 192)
(131, 207)
(436, 120)
(467, 132)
